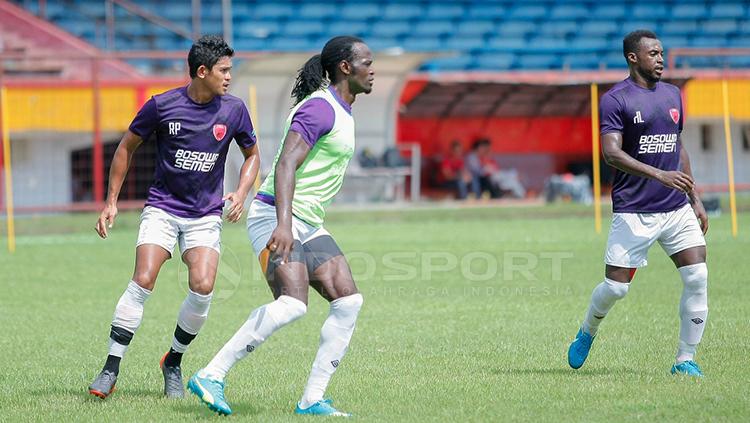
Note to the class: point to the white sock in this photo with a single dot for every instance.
(192, 316)
(334, 341)
(263, 322)
(602, 299)
(128, 315)
(693, 309)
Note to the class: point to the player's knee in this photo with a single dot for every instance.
(351, 303)
(346, 309)
(695, 277)
(618, 290)
(146, 279)
(287, 309)
(203, 286)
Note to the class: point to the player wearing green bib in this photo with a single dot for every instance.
(285, 225)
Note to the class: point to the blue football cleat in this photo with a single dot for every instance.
(688, 368)
(579, 349)
(210, 392)
(321, 408)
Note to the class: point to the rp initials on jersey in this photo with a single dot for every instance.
(174, 127)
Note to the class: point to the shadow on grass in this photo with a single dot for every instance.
(192, 408)
(556, 371)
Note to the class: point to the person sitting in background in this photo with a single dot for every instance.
(481, 166)
(454, 173)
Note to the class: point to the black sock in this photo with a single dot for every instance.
(173, 359)
(112, 364)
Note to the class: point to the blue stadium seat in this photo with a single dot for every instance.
(684, 27)
(525, 11)
(316, 10)
(273, 10)
(672, 41)
(608, 11)
(486, 11)
(381, 43)
(390, 28)
(548, 45)
(629, 26)
(360, 11)
(744, 27)
(215, 26)
(727, 10)
(559, 28)
(582, 61)
(738, 61)
(429, 28)
(599, 28)
(569, 11)
(132, 27)
(506, 44)
(698, 61)
(688, 11)
(444, 11)
(356, 28)
(475, 27)
(285, 43)
(183, 13)
(303, 28)
(517, 28)
(590, 44)
(422, 44)
(252, 44)
(719, 27)
(615, 60)
(495, 61)
(91, 9)
(709, 41)
(172, 43)
(538, 61)
(402, 11)
(253, 29)
(456, 63)
(465, 43)
(650, 10)
(740, 41)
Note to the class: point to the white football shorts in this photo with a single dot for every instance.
(165, 230)
(261, 221)
(632, 234)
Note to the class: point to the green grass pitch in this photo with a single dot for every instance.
(468, 315)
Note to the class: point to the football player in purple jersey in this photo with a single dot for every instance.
(192, 127)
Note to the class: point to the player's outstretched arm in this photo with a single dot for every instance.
(292, 156)
(695, 200)
(616, 157)
(248, 174)
(117, 173)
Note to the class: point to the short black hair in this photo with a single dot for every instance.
(632, 41)
(207, 51)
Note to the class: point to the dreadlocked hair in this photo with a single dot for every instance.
(321, 68)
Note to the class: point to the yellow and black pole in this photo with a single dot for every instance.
(596, 179)
(730, 158)
(4, 130)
